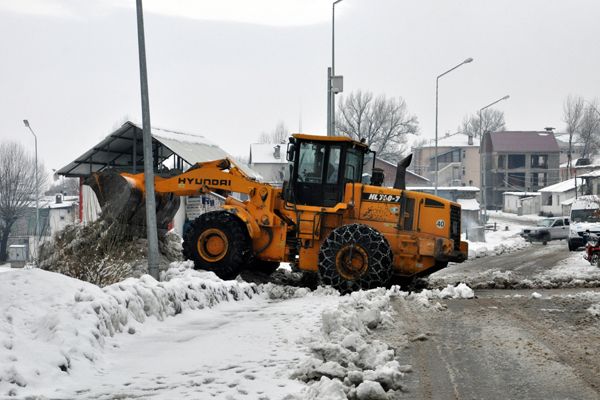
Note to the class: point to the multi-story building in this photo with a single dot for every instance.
(458, 160)
(517, 161)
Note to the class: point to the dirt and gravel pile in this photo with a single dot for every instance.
(104, 252)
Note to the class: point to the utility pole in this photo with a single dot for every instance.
(151, 230)
(36, 237)
(335, 84)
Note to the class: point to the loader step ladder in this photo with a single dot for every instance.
(309, 228)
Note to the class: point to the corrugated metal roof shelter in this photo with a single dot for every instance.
(122, 150)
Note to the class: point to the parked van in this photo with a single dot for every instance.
(585, 216)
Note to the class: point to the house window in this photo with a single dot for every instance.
(449, 157)
(516, 180)
(538, 179)
(539, 161)
(549, 202)
(502, 161)
(516, 161)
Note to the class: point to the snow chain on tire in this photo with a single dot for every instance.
(235, 247)
(341, 254)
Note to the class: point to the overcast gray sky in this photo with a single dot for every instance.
(232, 69)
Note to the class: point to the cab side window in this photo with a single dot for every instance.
(333, 164)
(310, 166)
(353, 168)
(558, 222)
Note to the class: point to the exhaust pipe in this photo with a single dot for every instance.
(400, 182)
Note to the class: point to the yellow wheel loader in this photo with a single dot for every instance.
(332, 216)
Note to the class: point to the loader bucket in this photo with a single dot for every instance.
(123, 200)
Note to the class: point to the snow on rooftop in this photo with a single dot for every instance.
(265, 153)
(591, 174)
(455, 140)
(563, 186)
(587, 166)
(183, 137)
(469, 204)
(522, 194)
(568, 202)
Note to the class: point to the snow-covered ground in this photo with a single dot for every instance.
(194, 336)
(572, 272)
(498, 242)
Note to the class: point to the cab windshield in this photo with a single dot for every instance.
(589, 215)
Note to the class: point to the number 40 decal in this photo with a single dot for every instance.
(440, 223)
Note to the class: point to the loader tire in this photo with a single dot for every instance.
(218, 241)
(355, 257)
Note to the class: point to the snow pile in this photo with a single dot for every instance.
(425, 298)
(345, 362)
(571, 272)
(498, 242)
(51, 324)
(281, 292)
(594, 309)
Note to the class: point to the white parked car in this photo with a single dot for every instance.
(547, 229)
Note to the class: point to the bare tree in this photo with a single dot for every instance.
(491, 121)
(588, 134)
(573, 110)
(17, 188)
(279, 135)
(382, 122)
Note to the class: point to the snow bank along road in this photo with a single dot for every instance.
(501, 345)
(535, 266)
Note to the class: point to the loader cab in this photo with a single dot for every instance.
(320, 166)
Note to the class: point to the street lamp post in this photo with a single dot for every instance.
(37, 193)
(468, 60)
(482, 166)
(331, 90)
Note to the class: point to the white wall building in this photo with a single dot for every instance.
(269, 160)
(554, 195)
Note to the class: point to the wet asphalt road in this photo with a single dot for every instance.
(524, 264)
(504, 344)
(494, 347)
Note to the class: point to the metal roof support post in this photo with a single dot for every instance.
(151, 231)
